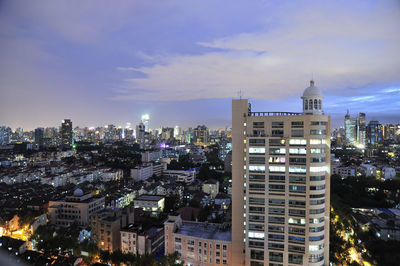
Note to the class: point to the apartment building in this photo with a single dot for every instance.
(138, 240)
(198, 243)
(281, 184)
(75, 209)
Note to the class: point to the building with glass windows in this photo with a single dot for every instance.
(281, 184)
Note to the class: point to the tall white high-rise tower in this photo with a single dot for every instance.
(281, 184)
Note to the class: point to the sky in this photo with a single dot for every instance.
(102, 62)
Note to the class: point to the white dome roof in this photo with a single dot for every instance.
(312, 91)
(78, 192)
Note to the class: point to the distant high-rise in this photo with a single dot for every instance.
(146, 122)
(39, 135)
(66, 133)
(355, 130)
(374, 133)
(281, 184)
(5, 134)
(201, 135)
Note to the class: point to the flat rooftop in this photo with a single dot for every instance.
(205, 231)
(149, 197)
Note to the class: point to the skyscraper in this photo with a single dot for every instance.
(374, 133)
(146, 122)
(201, 135)
(39, 135)
(281, 188)
(66, 133)
(355, 129)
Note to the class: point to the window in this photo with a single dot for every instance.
(298, 161)
(317, 229)
(256, 186)
(257, 150)
(277, 151)
(256, 218)
(278, 202)
(253, 209)
(277, 133)
(275, 256)
(297, 231)
(217, 246)
(276, 168)
(277, 187)
(277, 124)
(315, 104)
(321, 187)
(256, 235)
(296, 239)
(279, 211)
(318, 123)
(296, 212)
(257, 168)
(258, 124)
(297, 133)
(276, 142)
(315, 141)
(259, 201)
(190, 242)
(316, 258)
(318, 159)
(276, 159)
(296, 258)
(310, 104)
(316, 238)
(256, 244)
(276, 220)
(297, 179)
(317, 202)
(317, 150)
(257, 160)
(297, 169)
(277, 178)
(317, 132)
(299, 151)
(315, 169)
(297, 203)
(297, 124)
(317, 196)
(297, 142)
(257, 142)
(275, 246)
(305, 105)
(317, 178)
(297, 221)
(273, 237)
(295, 188)
(317, 211)
(317, 220)
(259, 227)
(319, 104)
(276, 228)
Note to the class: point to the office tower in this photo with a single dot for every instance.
(5, 134)
(374, 133)
(140, 135)
(66, 133)
(39, 135)
(201, 135)
(281, 184)
(146, 122)
(355, 129)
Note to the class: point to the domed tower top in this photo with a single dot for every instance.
(312, 100)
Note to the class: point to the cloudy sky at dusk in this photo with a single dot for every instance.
(100, 62)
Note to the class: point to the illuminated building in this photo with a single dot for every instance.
(66, 133)
(201, 135)
(146, 122)
(281, 184)
(374, 133)
(355, 130)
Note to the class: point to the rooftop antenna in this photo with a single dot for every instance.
(240, 94)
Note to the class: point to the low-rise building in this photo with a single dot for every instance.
(389, 173)
(184, 176)
(367, 170)
(344, 171)
(153, 203)
(198, 243)
(75, 209)
(211, 187)
(106, 226)
(140, 241)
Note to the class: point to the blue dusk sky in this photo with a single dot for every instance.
(100, 62)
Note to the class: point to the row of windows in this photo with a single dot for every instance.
(292, 142)
(282, 160)
(294, 124)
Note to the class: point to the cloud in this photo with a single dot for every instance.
(345, 48)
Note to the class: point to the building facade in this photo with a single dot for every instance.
(281, 184)
(141, 241)
(198, 243)
(66, 133)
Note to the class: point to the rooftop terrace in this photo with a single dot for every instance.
(205, 231)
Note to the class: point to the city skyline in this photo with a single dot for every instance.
(98, 68)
